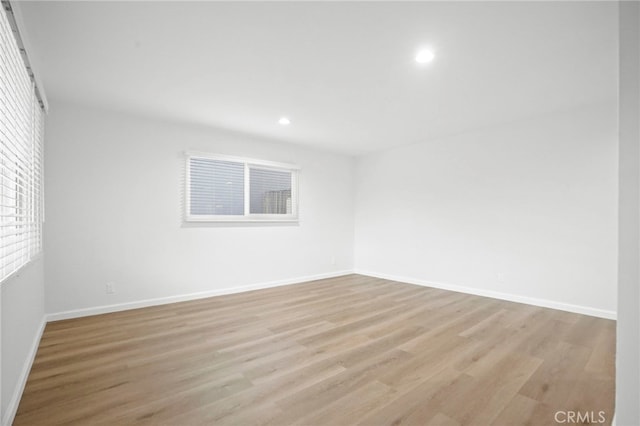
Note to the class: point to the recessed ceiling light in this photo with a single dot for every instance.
(284, 121)
(425, 56)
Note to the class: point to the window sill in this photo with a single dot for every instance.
(241, 224)
(20, 270)
(241, 219)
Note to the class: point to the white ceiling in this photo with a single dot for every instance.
(343, 72)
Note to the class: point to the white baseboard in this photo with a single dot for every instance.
(585, 310)
(185, 297)
(12, 408)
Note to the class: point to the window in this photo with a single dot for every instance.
(21, 136)
(222, 188)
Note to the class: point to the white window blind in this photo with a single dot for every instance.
(223, 188)
(217, 187)
(21, 138)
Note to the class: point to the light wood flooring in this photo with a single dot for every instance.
(352, 350)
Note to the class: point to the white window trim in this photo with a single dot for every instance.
(249, 163)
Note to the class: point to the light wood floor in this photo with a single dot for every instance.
(345, 351)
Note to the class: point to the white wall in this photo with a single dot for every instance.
(114, 213)
(628, 327)
(22, 320)
(525, 209)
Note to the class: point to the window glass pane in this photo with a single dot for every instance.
(217, 187)
(270, 191)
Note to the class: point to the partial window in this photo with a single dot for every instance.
(222, 188)
(21, 137)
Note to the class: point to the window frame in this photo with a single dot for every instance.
(248, 164)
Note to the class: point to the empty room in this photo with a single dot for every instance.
(319, 213)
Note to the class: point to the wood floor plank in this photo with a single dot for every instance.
(520, 407)
(496, 385)
(340, 351)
